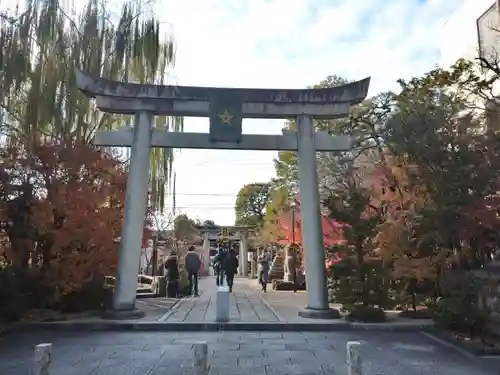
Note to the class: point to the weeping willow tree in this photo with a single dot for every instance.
(40, 47)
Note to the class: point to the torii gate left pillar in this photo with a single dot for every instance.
(226, 108)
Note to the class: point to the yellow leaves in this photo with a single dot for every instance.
(417, 268)
(392, 239)
(401, 190)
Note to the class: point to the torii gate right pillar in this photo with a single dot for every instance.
(312, 232)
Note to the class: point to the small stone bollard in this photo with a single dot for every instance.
(222, 305)
(354, 362)
(200, 358)
(43, 359)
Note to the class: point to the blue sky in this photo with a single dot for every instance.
(293, 44)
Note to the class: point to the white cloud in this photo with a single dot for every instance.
(292, 44)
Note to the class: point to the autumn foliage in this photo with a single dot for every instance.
(61, 208)
(418, 197)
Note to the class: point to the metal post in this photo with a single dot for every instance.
(133, 223)
(312, 233)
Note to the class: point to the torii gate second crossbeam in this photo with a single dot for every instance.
(226, 107)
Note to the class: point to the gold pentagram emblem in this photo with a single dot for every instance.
(225, 117)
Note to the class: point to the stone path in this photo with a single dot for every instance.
(233, 353)
(287, 304)
(155, 308)
(245, 305)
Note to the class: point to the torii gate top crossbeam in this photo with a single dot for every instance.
(129, 98)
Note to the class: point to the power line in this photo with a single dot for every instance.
(455, 10)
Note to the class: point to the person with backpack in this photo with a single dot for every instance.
(172, 275)
(219, 266)
(192, 263)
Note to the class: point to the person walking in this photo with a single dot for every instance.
(172, 275)
(219, 266)
(231, 268)
(263, 261)
(192, 263)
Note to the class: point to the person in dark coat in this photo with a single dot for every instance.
(192, 264)
(172, 275)
(220, 265)
(263, 261)
(231, 268)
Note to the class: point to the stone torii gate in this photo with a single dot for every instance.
(232, 233)
(225, 107)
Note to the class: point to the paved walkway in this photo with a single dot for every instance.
(287, 304)
(245, 305)
(233, 353)
(155, 308)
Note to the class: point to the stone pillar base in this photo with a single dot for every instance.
(328, 313)
(123, 314)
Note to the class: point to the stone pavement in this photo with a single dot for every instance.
(155, 308)
(250, 310)
(287, 304)
(233, 353)
(245, 305)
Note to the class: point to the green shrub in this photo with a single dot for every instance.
(92, 296)
(20, 292)
(366, 314)
(13, 301)
(458, 307)
(424, 313)
(352, 284)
